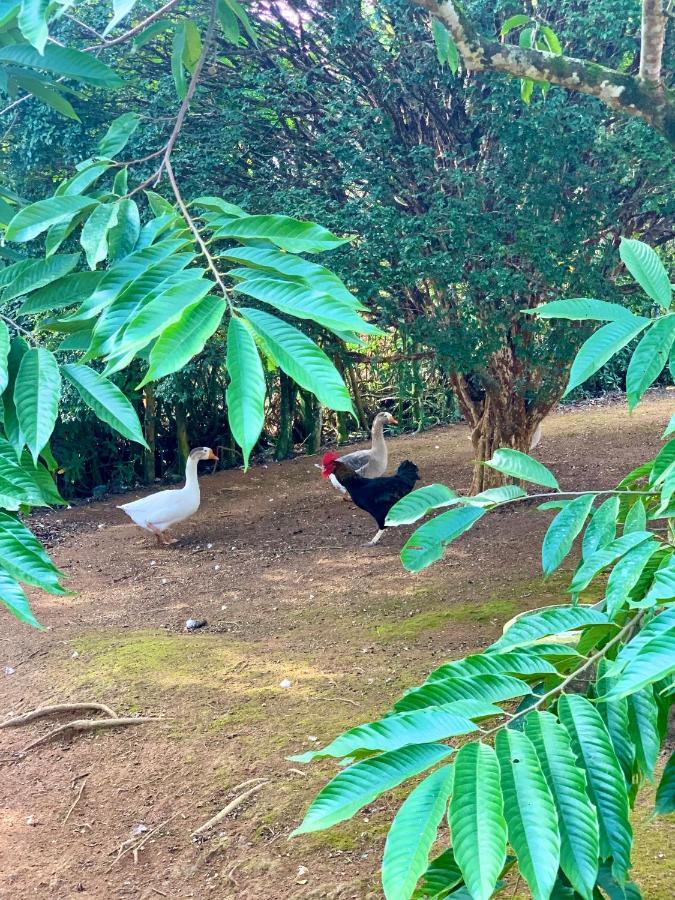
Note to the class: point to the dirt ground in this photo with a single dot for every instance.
(274, 561)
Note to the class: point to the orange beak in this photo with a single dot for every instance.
(393, 421)
(211, 455)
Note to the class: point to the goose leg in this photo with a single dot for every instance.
(379, 534)
(161, 540)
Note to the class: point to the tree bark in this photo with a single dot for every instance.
(313, 422)
(645, 95)
(150, 431)
(182, 440)
(284, 443)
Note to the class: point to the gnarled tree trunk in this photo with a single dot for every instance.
(150, 431)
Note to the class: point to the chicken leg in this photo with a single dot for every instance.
(377, 537)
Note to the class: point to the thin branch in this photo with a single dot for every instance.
(231, 806)
(132, 32)
(76, 800)
(18, 327)
(135, 847)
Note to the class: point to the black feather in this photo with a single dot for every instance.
(377, 495)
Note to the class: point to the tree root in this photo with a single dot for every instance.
(134, 845)
(88, 725)
(83, 778)
(42, 711)
(231, 806)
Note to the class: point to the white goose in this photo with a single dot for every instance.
(160, 511)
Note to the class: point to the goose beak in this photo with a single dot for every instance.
(212, 455)
(393, 421)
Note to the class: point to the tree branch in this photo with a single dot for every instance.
(645, 97)
(652, 39)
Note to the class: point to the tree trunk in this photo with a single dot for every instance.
(358, 399)
(313, 422)
(284, 444)
(182, 440)
(229, 455)
(498, 427)
(150, 431)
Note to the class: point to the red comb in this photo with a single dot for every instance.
(326, 460)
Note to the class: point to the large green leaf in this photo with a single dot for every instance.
(643, 714)
(300, 358)
(420, 502)
(32, 220)
(626, 574)
(647, 269)
(496, 496)
(106, 400)
(577, 818)
(665, 795)
(488, 688)
(615, 716)
(38, 273)
(419, 726)
(513, 663)
(636, 518)
(653, 659)
(530, 812)
(476, 818)
(581, 308)
(17, 348)
(24, 558)
(12, 595)
(121, 9)
(520, 465)
(32, 22)
(601, 530)
(649, 358)
(605, 782)
(17, 479)
(663, 583)
(412, 834)
(604, 557)
(305, 302)
(442, 876)
(122, 238)
(63, 61)
(4, 355)
(246, 389)
(446, 49)
(33, 84)
(428, 543)
(36, 397)
(563, 531)
(601, 346)
(164, 307)
(185, 338)
(555, 620)
(659, 624)
(361, 783)
(287, 233)
(177, 53)
(94, 236)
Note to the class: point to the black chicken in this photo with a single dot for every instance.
(374, 495)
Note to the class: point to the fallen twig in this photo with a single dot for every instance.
(333, 699)
(231, 806)
(77, 799)
(89, 725)
(42, 711)
(128, 845)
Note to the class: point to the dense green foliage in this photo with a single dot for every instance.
(554, 775)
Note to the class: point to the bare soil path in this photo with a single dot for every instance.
(274, 562)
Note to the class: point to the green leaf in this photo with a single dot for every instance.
(615, 717)
(228, 23)
(412, 834)
(563, 531)
(514, 663)
(193, 46)
(663, 584)
(36, 397)
(644, 265)
(440, 878)
(526, 89)
(121, 9)
(122, 238)
(177, 52)
(359, 784)
(530, 812)
(664, 459)
(39, 273)
(185, 338)
(82, 180)
(420, 502)
(601, 346)
(581, 308)
(514, 22)
(604, 557)
(446, 49)
(48, 94)
(601, 529)
(240, 13)
(300, 358)
(32, 22)
(605, 783)
(428, 543)
(32, 220)
(647, 658)
(626, 574)
(287, 233)
(487, 688)
(665, 795)
(66, 291)
(117, 136)
(12, 595)
(476, 818)
(106, 400)
(17, 348)
(649, 358)
(643, 713)
(616, 888)
(63, 61)
(520, 465)
(670, 428)
(554, 620)
(220, 205)
(418, 726)
(94, 237)
(495, 496)
(4, 354)
(304, 303)
(246, 390)
(577, 818)
(636, 518)
(24, 558)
